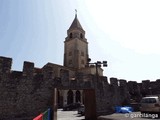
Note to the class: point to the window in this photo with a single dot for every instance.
(82, 53)
(81, 36)
(70, 35)
(148, 100)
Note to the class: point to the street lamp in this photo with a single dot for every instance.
(97, 64)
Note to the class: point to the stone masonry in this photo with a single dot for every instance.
(27, 93)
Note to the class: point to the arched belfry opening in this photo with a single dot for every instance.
(81, 36)
(70, 35)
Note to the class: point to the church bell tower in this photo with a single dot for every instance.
(75, 46)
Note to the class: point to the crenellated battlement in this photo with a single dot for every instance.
(28, 69)
(5, 65)
(48, 71)
(23, 91)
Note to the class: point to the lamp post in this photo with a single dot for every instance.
(97, 64)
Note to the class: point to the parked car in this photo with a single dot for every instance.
(81, 110)
(72, 106)
(150, 104)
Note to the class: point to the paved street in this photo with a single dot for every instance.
(68, 115)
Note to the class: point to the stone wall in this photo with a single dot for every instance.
(110, 95)
(25, 94)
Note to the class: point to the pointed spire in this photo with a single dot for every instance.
(76, 24)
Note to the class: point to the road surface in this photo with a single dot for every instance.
(68, 115)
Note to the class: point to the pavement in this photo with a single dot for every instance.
(68, 115)
(129, 116)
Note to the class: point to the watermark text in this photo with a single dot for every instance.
(141, 115)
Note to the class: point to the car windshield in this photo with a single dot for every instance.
(148, 100)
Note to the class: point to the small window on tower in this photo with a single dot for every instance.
(70, 35)
(81, 35)
(82, 53)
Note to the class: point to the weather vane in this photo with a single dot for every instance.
(76, 11)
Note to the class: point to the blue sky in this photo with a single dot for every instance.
(125, 33)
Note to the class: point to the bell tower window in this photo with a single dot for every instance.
(81, 36)
(70, 36)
